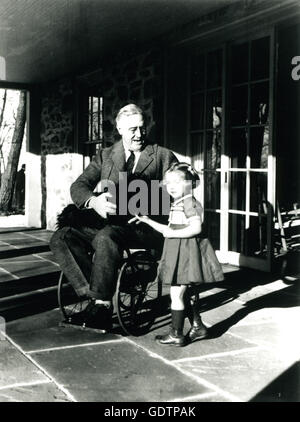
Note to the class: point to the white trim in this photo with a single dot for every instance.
(73, 346)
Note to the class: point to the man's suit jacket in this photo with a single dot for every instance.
(109, 162)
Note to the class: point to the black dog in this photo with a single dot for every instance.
(72, 216)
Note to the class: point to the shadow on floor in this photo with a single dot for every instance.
(285, 388)
(236, 283)
(284, 298)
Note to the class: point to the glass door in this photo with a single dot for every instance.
(230, 112)
(205, 134)
(248, 151)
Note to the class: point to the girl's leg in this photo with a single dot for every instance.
(198, 330)
(177, 297)
(176, 337)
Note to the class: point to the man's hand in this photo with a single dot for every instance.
(139, 219)
(102, 205)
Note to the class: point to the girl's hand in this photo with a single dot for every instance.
(154, 224)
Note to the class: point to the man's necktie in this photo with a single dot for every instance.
(130, 163)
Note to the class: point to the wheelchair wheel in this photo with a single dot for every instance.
(69, 302)
(138, 293)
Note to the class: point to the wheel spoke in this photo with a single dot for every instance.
(137, 294)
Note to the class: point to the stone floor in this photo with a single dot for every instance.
(252, 353)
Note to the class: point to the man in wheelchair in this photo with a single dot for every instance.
(93, 234)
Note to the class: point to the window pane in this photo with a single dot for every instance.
(211, 228)
(90, 150)
(259, 193)
(197, 112)
(212, 190)
(240, 63)
(197, 150)
(213, 149)
(259, 147)
(260, 56)
(251, 241)
(197, 73)
(259, 103)
(95, 118)
(237, 200)
(239, 106)
(238, 148)
(214, 109)
(237, 239)
(257, 237)
(214, 69)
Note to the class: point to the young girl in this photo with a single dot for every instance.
(187, 259)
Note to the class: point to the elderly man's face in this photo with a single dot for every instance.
(132, 130)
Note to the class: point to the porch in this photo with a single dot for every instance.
(251, 354)
(218, 88)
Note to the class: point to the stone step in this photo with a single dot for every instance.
(27, 273)
(28, 303)
(16, 229)
(18, 243)
(28, 285)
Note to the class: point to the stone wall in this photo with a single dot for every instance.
(57, 118)
(57, 144)
(136, 80)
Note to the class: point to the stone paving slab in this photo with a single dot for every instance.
(15, 368)
(58, 336)
(282, 338)
(44, 331)
(38, 321)
(242, 374)
(270, 288)
(213, 315)
(117, 372)
(46, 392)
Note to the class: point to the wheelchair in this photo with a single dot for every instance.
(137, 295)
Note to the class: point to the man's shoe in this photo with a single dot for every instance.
(96, 316)
(172, 339)
(198, 332)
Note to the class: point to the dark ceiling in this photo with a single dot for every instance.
(41, 40)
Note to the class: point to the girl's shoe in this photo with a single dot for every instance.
(198, 332)
(173, 338)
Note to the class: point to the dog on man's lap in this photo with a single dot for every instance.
(71, 216)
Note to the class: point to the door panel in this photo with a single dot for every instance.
(233, 155)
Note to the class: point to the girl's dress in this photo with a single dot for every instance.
(188, 260)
